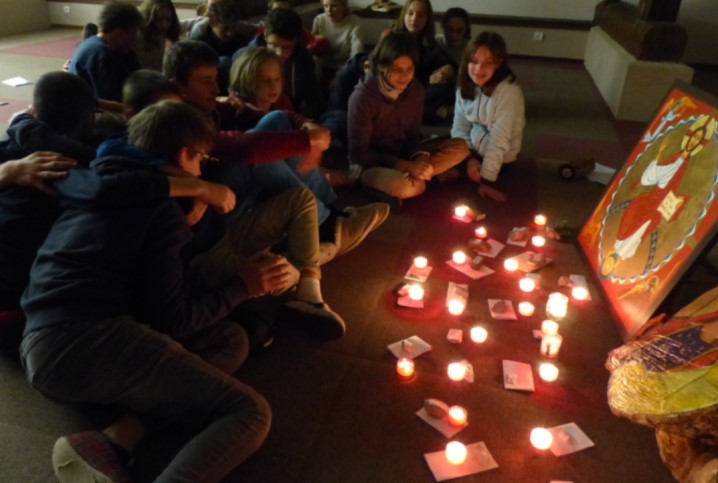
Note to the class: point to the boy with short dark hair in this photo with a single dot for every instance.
(121, 266)
(283, 32)
(225, 33)
(145, 87)
(105, 60)
(224, 30)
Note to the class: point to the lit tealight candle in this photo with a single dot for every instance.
(526, 309)
(540, 220)
(549, 327)
(511, 265)
(456, 371)
(455, 453)
(457, 415)
(538, 241)
(481, 232)
(579, 293)
(405, 368)
(527, 284)
(541, 438)
(459, 257)
(548, 372)
(461, 211)
(416, 292)
(479, 334)
(550, 345)
(556, 306)
(421, 262)
(456, 307)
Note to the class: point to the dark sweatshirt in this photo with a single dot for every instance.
(106, 262)
(26, 214)
(382, 130)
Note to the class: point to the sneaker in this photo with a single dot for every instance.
(258, 327)
(90, 457)
(316, 318)
(359, 222)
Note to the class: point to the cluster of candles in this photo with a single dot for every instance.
(556, 307)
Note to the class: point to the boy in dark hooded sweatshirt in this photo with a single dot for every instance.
(107, 298)
(63, 107)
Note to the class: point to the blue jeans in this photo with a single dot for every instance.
(281, 175)
(120, 362)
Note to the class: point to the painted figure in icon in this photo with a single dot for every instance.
(662, 203)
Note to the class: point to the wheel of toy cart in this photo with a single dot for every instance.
(667, 379)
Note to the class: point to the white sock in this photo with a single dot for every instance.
(309, 289)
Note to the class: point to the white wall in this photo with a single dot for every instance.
(700, 18)
(555, 9)
(19, 16)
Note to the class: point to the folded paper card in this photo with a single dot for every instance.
(518, 376)
(568, 438)
(478, 459)
(410, 348)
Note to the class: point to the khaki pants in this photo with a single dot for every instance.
(444, 156)
(292, 213)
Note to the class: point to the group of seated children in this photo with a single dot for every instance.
(129, 260)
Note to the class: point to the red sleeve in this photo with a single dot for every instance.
(260, 147)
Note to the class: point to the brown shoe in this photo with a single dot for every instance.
(362, 220)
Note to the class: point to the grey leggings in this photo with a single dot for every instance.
(118, 361)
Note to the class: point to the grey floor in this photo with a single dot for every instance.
(327, 397)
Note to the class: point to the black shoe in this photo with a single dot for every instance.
(316, 318)
(259, 329)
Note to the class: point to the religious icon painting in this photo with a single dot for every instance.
(659, 212)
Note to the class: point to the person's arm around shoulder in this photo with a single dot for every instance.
(35, 170)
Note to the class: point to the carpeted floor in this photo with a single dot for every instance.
(339, 413)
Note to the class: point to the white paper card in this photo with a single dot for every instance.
(478, 459)
(568, 438)
(518, 376)
(16, 81)
(466, 269)
(580, 281)
(519, 243)
(442, 425)
(418, 274)
(406, 301)
(455, 336)
(496, 247)
(412, 348)
(507, 314)
(527, 265)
